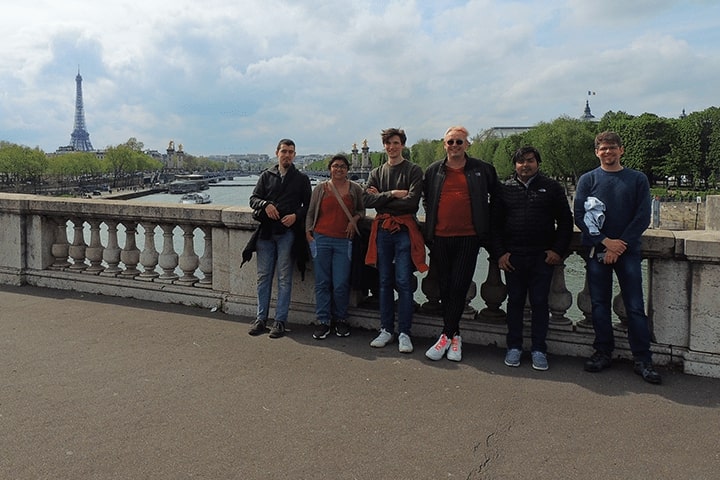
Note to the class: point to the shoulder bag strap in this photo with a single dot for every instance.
(344, 207)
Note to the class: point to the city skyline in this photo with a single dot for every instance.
(226, 79)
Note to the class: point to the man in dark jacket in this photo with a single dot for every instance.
(457, 191)
(280, 199)
(532, 227)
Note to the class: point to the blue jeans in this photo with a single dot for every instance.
(332, 277)
(276, 251)
(531, 278)
(395, 269)
(629, 275)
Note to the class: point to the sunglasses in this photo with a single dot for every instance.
(452, 142)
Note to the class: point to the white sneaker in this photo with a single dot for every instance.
(383, 339)
(454, 353)
(437, 351)
(405, 345)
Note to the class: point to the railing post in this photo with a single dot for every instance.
(130, 254)
(168, 259)
(189, 260)
(206, 260)
(94, 252)
(493, 292)
(61, 247)
(560, 298)
(77, 248)
(149, 255)
(111, 255)
(431, 289)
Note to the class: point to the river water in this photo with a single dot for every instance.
(237, 193)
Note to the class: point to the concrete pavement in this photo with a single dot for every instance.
(105, 388)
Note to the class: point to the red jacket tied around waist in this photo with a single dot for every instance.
(393, 224)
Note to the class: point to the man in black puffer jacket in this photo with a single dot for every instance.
(531, 231)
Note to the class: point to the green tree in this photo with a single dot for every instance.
(647, 141)
(697, 149)
(566, 147)
(21, 165)
(424, 152)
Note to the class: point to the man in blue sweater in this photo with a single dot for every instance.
(612, 209)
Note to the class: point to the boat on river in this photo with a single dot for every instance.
(195, 198)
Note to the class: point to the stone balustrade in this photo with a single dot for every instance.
(191, 254)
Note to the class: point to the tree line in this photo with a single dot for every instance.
(674, 152)
(670, 151)
(23, 168)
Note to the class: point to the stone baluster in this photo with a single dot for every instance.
(189, 260)
(168, 259)
(60, 247)
(94, 252)
(149, 255)
(206, 260)
(585, 306)
(560, 299)
(493, 292)
(111, 255)
(130, 254)
(78, 246)
(431, 289)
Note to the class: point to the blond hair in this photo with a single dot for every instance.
(457, 128)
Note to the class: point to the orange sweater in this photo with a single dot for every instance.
(393, 224)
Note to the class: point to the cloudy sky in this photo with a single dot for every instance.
(229, 76)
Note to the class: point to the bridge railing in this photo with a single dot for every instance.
(191, 254)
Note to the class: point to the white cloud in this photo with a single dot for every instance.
(232, 77)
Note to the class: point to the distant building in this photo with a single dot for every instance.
(587, 114)
(501, 132)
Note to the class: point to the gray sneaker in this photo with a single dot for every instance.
(539, 360)
(454, 353)
(383, 339)
(404, 343)
(512, 357)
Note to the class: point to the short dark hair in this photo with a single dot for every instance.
(340, 157)
(608, 137)
(391, 132)
(522, 151)
(285, 141)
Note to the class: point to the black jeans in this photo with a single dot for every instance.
(531, 278)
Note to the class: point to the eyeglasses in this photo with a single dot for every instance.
(452, 142)
(608, 148)
(339, 167)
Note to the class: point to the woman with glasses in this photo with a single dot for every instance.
(331, 223)
(457, 191)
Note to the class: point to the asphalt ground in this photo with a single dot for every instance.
(106, 388)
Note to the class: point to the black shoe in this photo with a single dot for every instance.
(277, 330)
(598, 362)
(321, 332)
(647, 372)
(257, 328)
(342, 329)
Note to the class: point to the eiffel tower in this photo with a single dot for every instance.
(80, 138)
